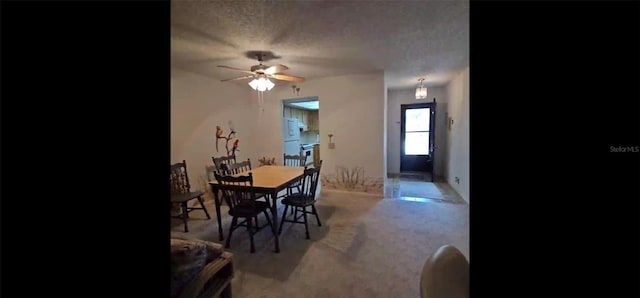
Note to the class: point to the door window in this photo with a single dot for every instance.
(416, 137)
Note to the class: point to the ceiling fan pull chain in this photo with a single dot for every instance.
(261, 98)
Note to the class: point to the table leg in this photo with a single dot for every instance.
(274, 213)
(217, 203)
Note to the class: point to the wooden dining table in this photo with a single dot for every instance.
(268, 180)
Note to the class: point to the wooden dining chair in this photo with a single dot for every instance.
(222, 162)
(181, 192)
(293, 161)
(306, 198)
(243, 167)
(243, 204)
(240, 167)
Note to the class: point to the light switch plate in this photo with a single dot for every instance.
(332, 145)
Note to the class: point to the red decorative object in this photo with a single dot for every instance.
(220, 135)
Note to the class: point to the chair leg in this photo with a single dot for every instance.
(203, 209)
(226, 293)
(250, 228)
(266, 214)
(185, 215)
(234, 222)
(295, 214)
(306, 227)
(282, 221)
(313, 208)
(289, 193)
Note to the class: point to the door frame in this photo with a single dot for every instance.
(432, 128)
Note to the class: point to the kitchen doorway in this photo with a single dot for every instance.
(301, 128)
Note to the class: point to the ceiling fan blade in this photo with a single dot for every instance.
(233, 68)
(238, 78)
(287, 78)
(275, 69)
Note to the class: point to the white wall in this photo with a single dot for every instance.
(458, 137)
(385, 140)
(351, 108)
(198, 105)
(408, 96)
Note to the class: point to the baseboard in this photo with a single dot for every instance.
(457, 193)
(352, 192)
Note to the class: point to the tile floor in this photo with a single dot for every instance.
(419, 188)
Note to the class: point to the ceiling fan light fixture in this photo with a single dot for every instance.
(261, 84)
(421, 91)
(269, 84)
(254, 84)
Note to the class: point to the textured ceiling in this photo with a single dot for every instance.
(406, 39)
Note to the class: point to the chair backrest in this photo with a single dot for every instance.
(294, 160)
(239, 167)
(445, 274)
(179, 178)
(233, 197)
(226, 160)
(310, 181)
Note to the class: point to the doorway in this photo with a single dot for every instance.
(304, 113)
(417, 136)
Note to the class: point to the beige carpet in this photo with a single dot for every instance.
(366, 247)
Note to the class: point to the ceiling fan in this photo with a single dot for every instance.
(261, 74)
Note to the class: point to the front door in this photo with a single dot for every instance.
(417, 135)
